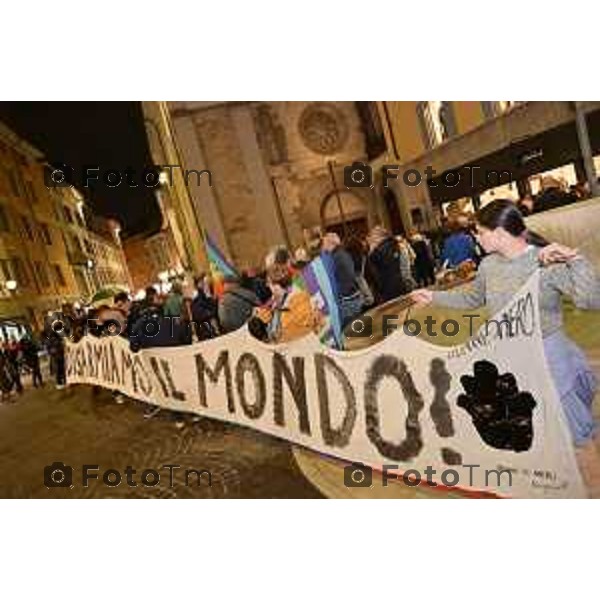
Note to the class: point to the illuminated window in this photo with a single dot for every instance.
(4, 223)
(6, 270)
(68, 214)
(436, 118)
(14, 185)
(30, 191)
(81, 280)
(507, 190)
(27, 228)
(42, 274)
(495, 108)
(76, 244)
(506, 104)
(18, 268)
(60, 279)
(372, 128)
(45, 234)
(561, 177)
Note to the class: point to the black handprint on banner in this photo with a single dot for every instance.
(501, 413)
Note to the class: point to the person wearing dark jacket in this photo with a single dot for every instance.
(424, 262)
(32, 359)
(6, 381)
(384, 268)
(56, 349)
(350, 299)
(11, 352)
(236, 305)
(204, 311)
(154, 330)
(553, 197)
(256, 282)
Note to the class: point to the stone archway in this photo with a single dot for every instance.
(349, 217)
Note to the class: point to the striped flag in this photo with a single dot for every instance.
(319, 279)
(219, 265)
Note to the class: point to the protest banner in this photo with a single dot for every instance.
(490, 402)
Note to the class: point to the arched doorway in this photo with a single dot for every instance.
(346, 214)
(393, 212)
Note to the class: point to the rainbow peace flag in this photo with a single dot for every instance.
(219, 265)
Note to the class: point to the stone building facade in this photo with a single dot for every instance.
(268, 173)
(52, 248)
(520, 141)
(153, 257)
(276, 169)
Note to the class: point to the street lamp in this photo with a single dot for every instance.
(163, 178)
(11, 285)
(89, 264)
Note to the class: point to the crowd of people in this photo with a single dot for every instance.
(18, 357)
(368, 271)
(553, 194)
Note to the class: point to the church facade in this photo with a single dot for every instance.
(277, 170)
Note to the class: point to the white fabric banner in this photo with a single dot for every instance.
(483, 407)
(574, 225)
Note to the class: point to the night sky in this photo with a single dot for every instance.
(109, 135)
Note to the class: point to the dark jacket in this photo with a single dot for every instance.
(55, 343)
(423, 254)
(30, 351)
(552, 198)
(236, 307)
(383, 271)
(204, 313)
(345, 275)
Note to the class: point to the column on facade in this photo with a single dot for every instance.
(204, 198)
(259, 179)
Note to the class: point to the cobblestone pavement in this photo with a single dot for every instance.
(77, 428)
